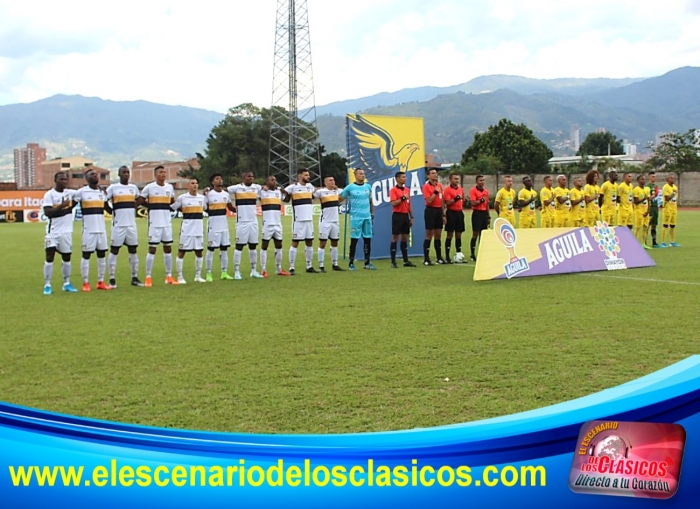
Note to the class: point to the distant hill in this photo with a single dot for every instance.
(114, 133)
(110, 132)
(480, 85)
(635, 112)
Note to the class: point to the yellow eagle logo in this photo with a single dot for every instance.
(373, 149)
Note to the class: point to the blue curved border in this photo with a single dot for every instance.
(545, 436)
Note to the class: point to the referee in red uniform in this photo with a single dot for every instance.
(481, 219)
(454, 201)
(434, 217)
(401, 218)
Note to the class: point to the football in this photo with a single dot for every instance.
(458, 258)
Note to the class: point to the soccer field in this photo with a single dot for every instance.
(336, 352)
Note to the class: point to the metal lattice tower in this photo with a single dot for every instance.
(293, 130)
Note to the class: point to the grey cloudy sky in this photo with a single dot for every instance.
(217, 54)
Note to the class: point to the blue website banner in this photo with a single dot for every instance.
(521, 460)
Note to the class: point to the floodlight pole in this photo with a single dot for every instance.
(293, 128)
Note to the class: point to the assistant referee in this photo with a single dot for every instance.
(479, 199)
(401, 218)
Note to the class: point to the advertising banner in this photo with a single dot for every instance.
(627, 440)
(506, 252)
(382, 146)
(21, 200)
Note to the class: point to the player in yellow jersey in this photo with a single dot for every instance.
(547, 202)
(591, 197)
(670, 195)
(562, 211)
(527, 198)
(608, 191)
(578, 204)
(505, 201)
(625, 197)
(641, 195)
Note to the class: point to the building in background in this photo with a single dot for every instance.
(75, 167)
(142, 172)
(601, 130)
(27, 160)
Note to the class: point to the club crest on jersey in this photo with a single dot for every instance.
(505, 233)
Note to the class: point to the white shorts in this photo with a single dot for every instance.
(61, 242)
(272, 231)
(191, 243)
(247, 233)
(217, 240)
(94, 242)
(160, 234)
(328, 231)
(122, 235)
(302, 230)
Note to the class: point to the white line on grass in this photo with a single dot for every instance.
(650, 280)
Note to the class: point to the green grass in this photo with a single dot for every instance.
(340, 352)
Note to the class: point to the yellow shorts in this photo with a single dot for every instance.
(670, 217)
(562, 221)
(640, 221)
(592, 218)
(547, 221)
(528, 221)
(610, 216)
(625, 217)
(510, 219)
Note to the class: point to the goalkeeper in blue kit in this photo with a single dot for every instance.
(358, 196)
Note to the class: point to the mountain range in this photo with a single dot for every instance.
(114, 133)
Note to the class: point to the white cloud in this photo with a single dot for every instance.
(215, 55)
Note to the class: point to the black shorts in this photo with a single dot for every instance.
(480, 220)
(400, 223)
(433, 218)
(455, 221)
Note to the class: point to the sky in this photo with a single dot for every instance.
(218, 54)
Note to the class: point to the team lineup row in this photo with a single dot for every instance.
(121, 200)
(560, 207)
(625, 204)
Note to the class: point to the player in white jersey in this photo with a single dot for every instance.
(271, 202)
(58, 207)
(123, 197)
(217, 201)
(246, 197)
(92, 206)
(158, 197)
(301, 194)
(191, 204)
(328, 224)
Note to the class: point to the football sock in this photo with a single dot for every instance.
(101, 269)
(168, 258)
(134, 262)
(404, 251)
(112, 265)
(210, 261)
(48, 272)
(292, 257)
(334, 255)
(150, 259)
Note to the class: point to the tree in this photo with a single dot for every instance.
(601, 144)
(334, 165)
(486, 165)
(240, 142)
(677, 152)
(515, 146)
